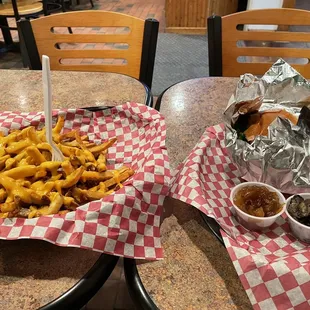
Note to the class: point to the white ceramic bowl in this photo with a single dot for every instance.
(300, 231)
(254, 222)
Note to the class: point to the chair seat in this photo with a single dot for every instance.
(25, 7)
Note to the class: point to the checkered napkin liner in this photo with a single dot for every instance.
(273, 266)
(125, 223)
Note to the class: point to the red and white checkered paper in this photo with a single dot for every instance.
(273, 266)
(125, 223)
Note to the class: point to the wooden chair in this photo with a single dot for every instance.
(40, 39)
(224, 33)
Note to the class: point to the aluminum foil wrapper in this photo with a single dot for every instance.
(283, 158)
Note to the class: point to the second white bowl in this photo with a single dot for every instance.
(300, 231)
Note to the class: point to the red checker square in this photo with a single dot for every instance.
(242, 229)
(220, 168)
(159, 252)
(127, 154)
(303, 306)
(292, 262)
(90, 129)
(159, 179)
(90, 228)
(261, 292)
(119, 248)
(150, 219)
(94, 206)
(128, 142)
(117, 209)
(99, 243)
(271, 235)
(103, 219)
(244, 281)
(288, 248)
(159, 210)
(139, 251)
(272, 246)
(256, 244)
(231, 253)
(26, 231)
(85, 120)
(156, 231)
(267, 274)
(134, 214)
(124, 224)
(52, 233)
(4, 231)
(199, 200)
(211, 160)
(217, 212)
(140, 228)
(113, 233)
(68, 226)
(282, 302)
(76, 239)
(154, 198)
(305, 290)
(288, 281)
(70, 116)
(246, 263)
(44, 221)
(80, 214)
(20, 222)
(149, 241)
(131, 237)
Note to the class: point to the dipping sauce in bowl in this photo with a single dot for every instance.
(256, 205)
(258, 201)
(298, 214)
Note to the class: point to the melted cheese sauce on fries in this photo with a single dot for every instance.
(32, 185)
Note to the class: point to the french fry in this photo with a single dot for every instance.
(36, 155)
(2, 151)
(96, 176)
(3, 194)
(72, 178)
(17, 147)
(10, 163)
(3, 159)
(59, 125)
(69, 150)
(67, 167)
(56, 203)
(22, 172)
(12, 188)
(32, 185)
(7, 207)
(102, 147)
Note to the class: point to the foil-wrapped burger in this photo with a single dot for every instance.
(267, 128)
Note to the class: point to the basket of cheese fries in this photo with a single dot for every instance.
(107, 193)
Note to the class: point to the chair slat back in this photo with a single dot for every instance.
(48, 41)
(231, 35)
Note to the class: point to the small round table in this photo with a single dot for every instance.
(35, 273)
(196, 272)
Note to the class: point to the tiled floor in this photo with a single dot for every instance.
(140, 8)
(114, 294)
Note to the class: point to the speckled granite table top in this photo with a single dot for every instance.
(21, 90)
(197, 272)
(32, 272)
